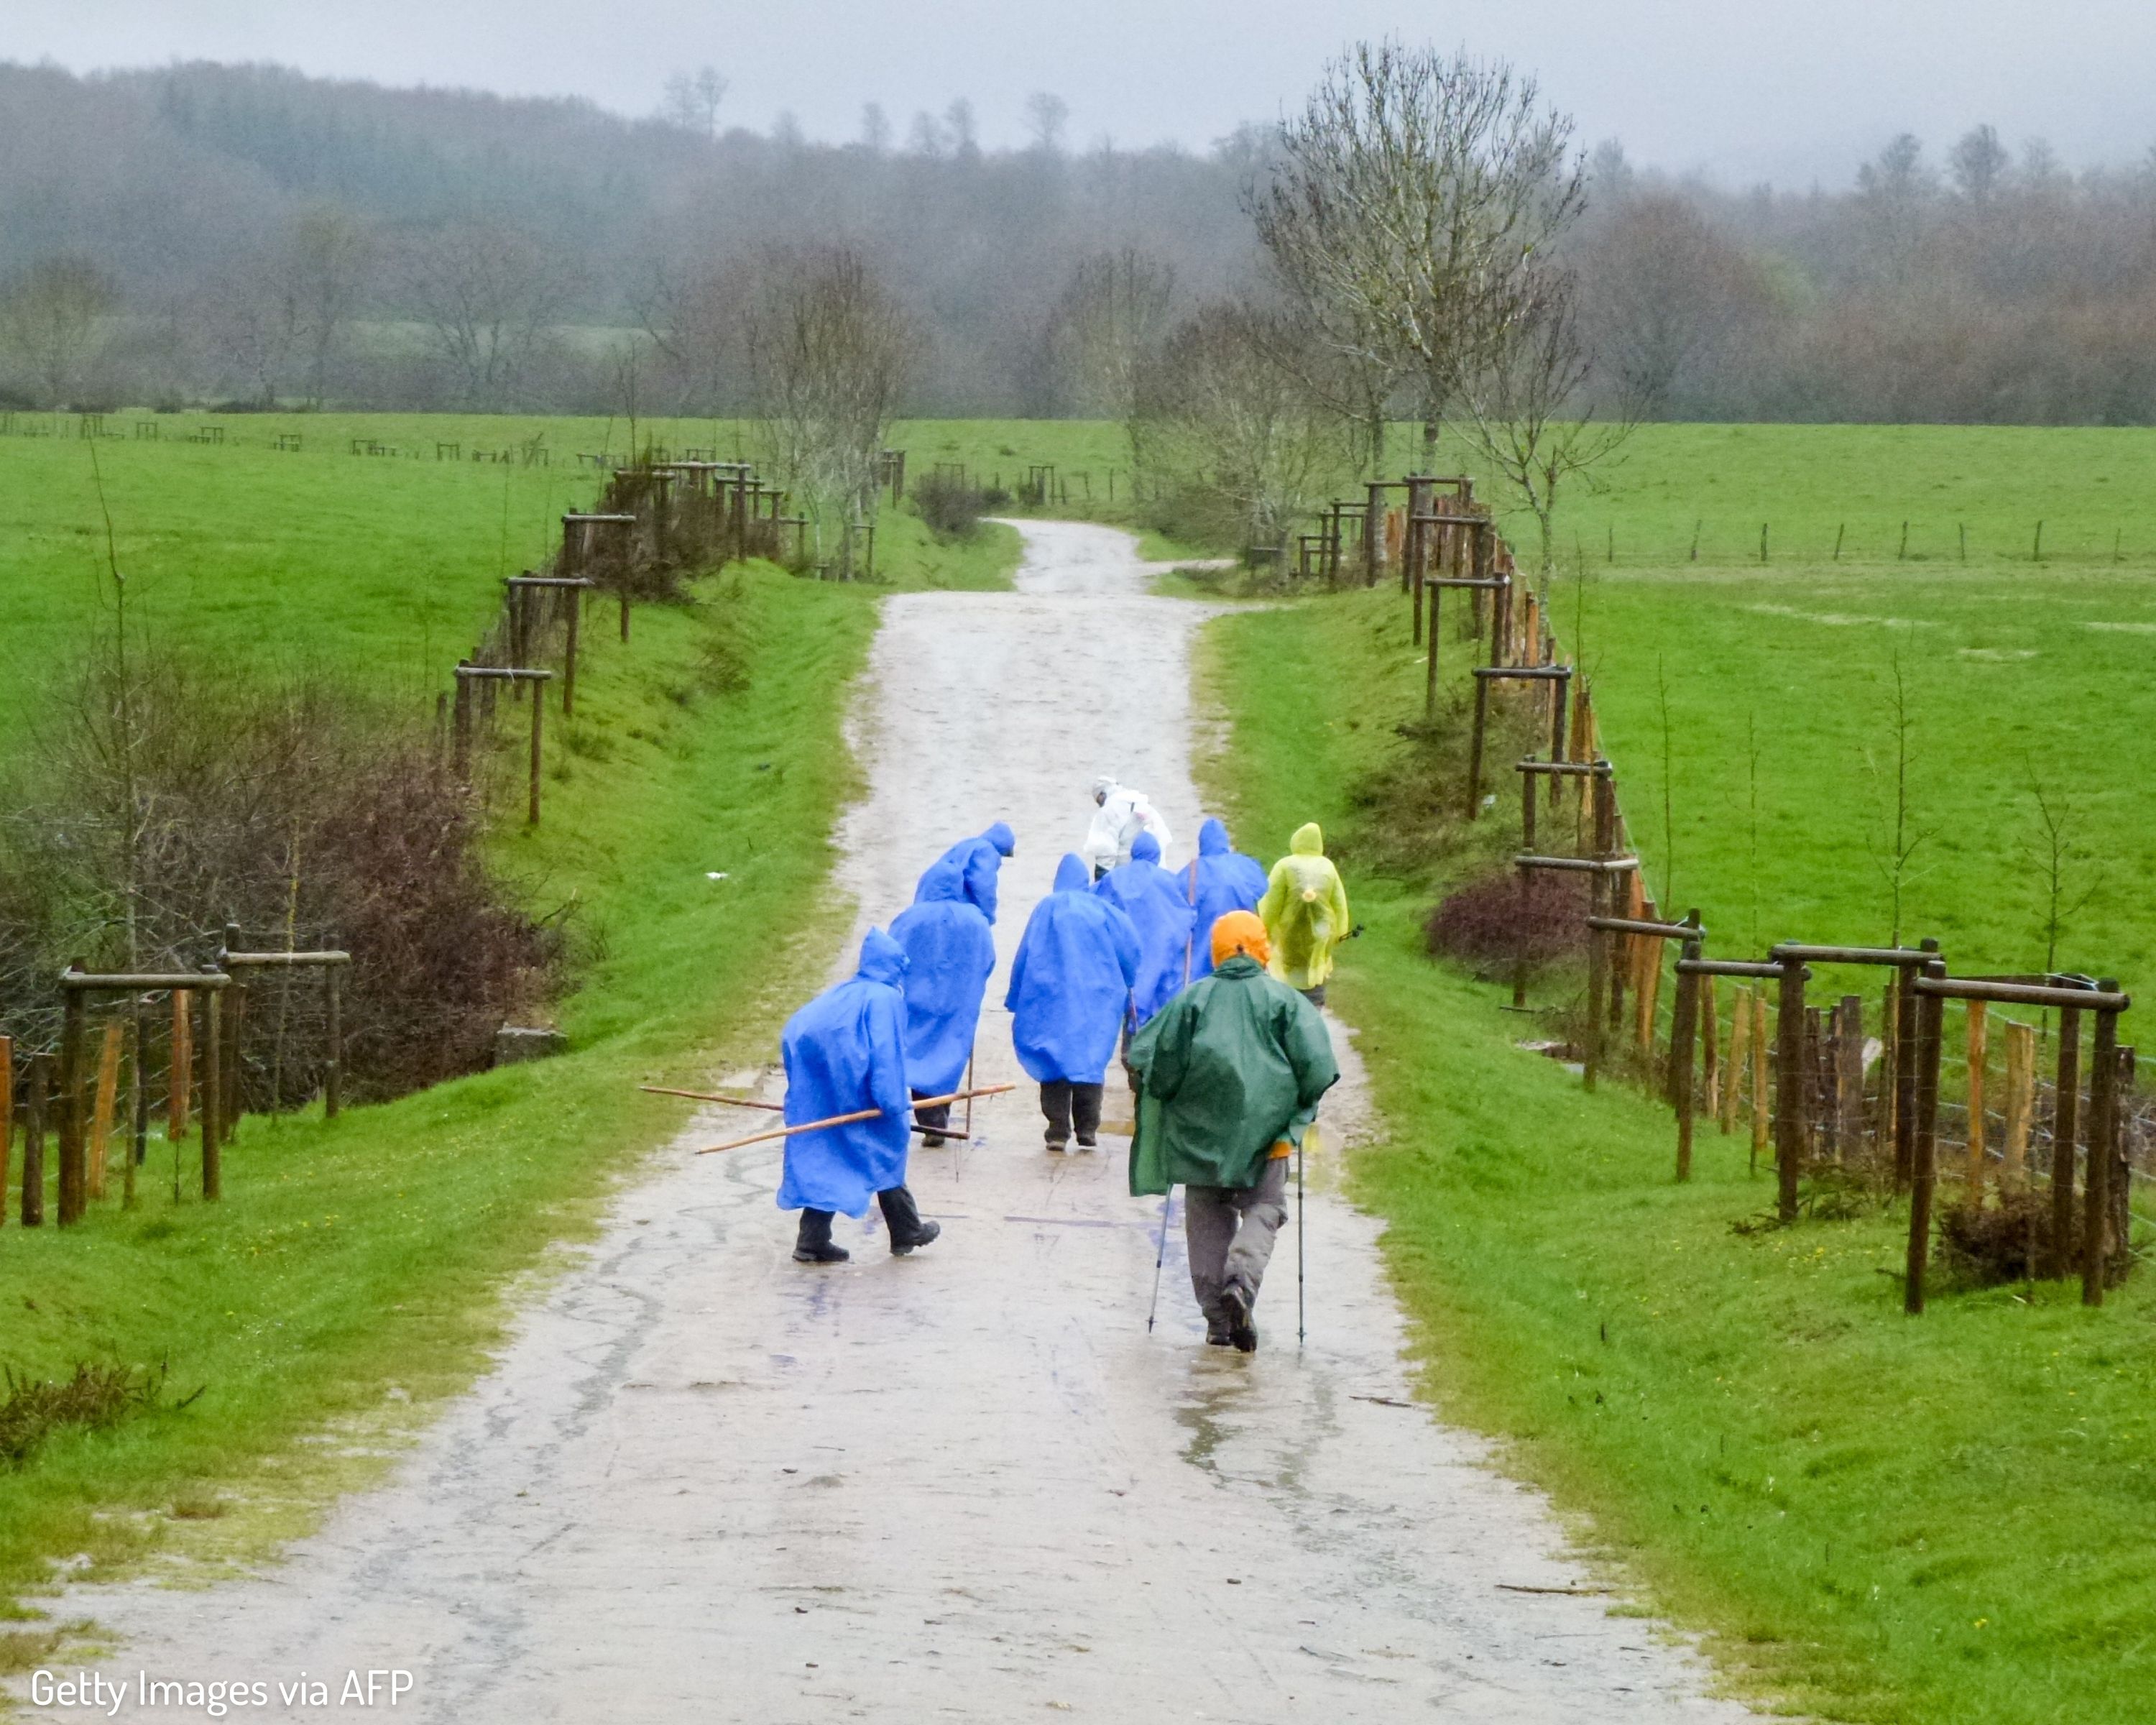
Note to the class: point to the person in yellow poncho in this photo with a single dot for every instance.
(1305, 911)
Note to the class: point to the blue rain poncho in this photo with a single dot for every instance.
(949, 952)
(845, 1051)
(972, 864)
(1153, 899)
(1219, 878)
(1070, 984)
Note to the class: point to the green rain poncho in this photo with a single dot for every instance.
(1305, 910)
(1228, 1068)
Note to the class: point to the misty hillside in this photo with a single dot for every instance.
(264, 235)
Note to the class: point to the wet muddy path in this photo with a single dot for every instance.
(706, 1484)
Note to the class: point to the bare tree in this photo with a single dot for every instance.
(251, 319)
(875, 129)
(2054, 854)
(51, 318)
(1244, 446)
(1046, 116)
(830, 352)
(1978, 163)
(1112, 313)
(692, 313)
(328, 255)
(489, 298)
(1407, 205)
(692, 101)
(1668, 294)
(1896, 835)
(1524, 412)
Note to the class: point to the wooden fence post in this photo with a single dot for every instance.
(2102, 1126)
(1849, 1072)
(182, 1077)
(1923, 1162)
(2021, 1094)
(1475, 747)
(6, 1119)
(569, 654)
(1760, 1093)
(1597, 975)
(71, 1122)
(212, 1096)
(2066, 1097)
(1979, 1048)
(1740, 1050)
(333, 1071)
(1683, 1033)
(538, 710)
(100, 1119)
(1789, 1089)
(34, 1141)
(1709, 1051)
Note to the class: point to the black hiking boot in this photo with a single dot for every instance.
(1086, 1143)
(812, 1245)
(901, 1215)
(1057, 1147)
(1242, 1330)
(1215, 1337)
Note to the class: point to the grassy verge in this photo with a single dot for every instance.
(359, 1271)
(1870, 1518)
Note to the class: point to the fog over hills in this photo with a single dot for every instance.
(1954, 279)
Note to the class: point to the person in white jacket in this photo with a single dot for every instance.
(1120, 815)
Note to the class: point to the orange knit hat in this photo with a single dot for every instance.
(1240, 931)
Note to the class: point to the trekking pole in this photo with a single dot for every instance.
(1159, 1258)
(1298, 1244)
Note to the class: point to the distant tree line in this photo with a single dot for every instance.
(245, 235)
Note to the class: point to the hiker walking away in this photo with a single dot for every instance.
(1069, 992)
(1230, 1074)
(949, 952)
(1305, 911)
(1218, 880)
(973, 863)
(1150, 896)
(845, 1051)
(1120, 814)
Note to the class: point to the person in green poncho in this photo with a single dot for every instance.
(1305, 911)
(1228, 1075)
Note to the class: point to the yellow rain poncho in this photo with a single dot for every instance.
(1305, 910)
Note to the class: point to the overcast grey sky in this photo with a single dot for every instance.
(1740, 90)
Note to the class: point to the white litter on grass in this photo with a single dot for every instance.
(715, 874)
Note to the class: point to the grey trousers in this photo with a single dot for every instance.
(1229, 1232)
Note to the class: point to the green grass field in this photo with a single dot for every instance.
(357, 1272)
(1871, 1518)
(385, 567)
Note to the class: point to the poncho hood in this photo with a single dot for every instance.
(1070, 874)
(1002, 838)
(883, 960)
(1217, 881)
(1309, 841)
(1145, 849)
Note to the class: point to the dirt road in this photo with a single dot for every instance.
(705, 1484)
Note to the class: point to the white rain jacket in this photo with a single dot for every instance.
(1123, 815)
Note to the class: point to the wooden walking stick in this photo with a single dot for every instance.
(858, 1114)
(705, 1095)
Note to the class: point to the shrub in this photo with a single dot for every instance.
(1488, 924)
(951, 507)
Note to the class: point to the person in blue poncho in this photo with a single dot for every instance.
(845, 1051)
(1069, 993)
(1154, 900)
(949, 952)
(1219, 878)
(973, 864)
